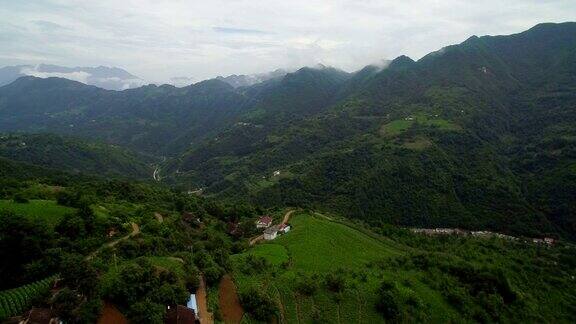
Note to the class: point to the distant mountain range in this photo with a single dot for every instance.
(244, 80)
(477, 135)
(110, 78)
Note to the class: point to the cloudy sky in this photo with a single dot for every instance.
(161, 39)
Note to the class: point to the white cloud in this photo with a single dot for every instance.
(159, 39)
(79, 76)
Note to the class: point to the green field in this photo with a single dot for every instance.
(399, 126)
(46, 210)
(316, 247)
(431, 279)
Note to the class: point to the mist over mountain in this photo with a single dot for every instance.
(244, 80)
(110, 78)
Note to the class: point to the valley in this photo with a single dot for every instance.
(433, 190)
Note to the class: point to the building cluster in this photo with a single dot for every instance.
(482, 234)
(271, 231)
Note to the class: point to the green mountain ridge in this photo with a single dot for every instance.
(75, 156)
(475, 135)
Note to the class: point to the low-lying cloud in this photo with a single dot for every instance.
(160, 39)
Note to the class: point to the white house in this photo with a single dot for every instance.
(284, 228)
(270, 233)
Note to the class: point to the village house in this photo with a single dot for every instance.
(264, 222)
(270, 233)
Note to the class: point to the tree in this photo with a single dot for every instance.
(335, 282)
(259, 305)
(79, 274)
(146, 311)
(21, 242)
(386, 303)
(20, 198)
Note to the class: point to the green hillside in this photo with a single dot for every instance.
(476, 135)
(37, 210)
(75, 155)
(327, 271)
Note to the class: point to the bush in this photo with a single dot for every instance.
(335, 282)
(306, 285)
(386, 304)
(146, 312)
(259, 305)
(20, 198)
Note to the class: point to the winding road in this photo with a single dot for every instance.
(135, 231)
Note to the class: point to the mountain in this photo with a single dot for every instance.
(110, 78)
(75, 156)
(478, 135)
(246, 80)
(152, 119)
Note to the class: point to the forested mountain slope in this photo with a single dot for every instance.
(152, 119)
(76, 156)
(476, 135)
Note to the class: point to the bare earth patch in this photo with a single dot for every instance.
(230, 307)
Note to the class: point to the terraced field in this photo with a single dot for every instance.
(315, 248)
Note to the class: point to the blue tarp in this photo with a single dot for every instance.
(192, 303)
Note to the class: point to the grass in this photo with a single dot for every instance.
(399, 126)
(317, 246)
(46, 210)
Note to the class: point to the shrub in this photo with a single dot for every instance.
(259, 305)
(20, 198)
(386, 304)
(335, 282)
(306, 285)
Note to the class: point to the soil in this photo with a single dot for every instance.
(202, 301)
(111, 315)
(230, 307)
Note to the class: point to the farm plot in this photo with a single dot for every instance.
(315, 250)
(45, 210)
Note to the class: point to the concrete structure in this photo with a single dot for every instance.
(284, 228)
(270, 233)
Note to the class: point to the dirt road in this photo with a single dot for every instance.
(135, 231)
(287, 216)
(202, 301)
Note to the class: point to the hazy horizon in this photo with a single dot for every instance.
(161, 40)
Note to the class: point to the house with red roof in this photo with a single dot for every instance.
(264, 222)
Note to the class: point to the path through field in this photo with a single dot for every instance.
(202, 301)
(135, 231)
(230, 307)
